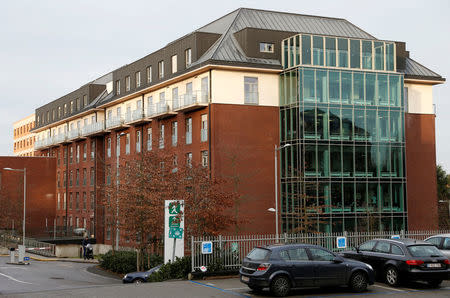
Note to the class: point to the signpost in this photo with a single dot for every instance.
(341, 242)
(173, 229)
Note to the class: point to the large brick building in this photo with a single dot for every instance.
(23, 137)
(226, 93)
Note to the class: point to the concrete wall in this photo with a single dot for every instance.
(73, 250)
(420, 98)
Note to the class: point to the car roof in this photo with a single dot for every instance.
(440, 235)
(404, 241)
(277, 246)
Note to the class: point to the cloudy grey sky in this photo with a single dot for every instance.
(51, 47)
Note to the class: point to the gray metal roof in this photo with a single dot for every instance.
(415, 69)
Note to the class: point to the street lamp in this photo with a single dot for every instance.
(276, 185)
(24, 170)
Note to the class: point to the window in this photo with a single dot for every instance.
(189, 131)
(435, 241)
(382, 247)
(127, 144)
(161, 69)
(85, 100)
(92, 150)
(70, 204)
(70, 154)
(367, 246)
(266, 47)
(188, 57)
(250, 90)
(138, 141)
(78, 104)
(64, 201)
(175, 102)
(174, 133)
(330, 51)
(59, 201)
(204, 158)
(127, 83)
(71, 109)
(149, 139)
(108, 147)
(59, 112)
(149, 74)
(84, 201)
(138, 79)
(396, 250)
(92, 176)
(118, 87)
(84, 151)
(355, 54)
(84, 176)
(161, 136)
(65, 110)
(297, 254)
(318, 50)
(366, 54)
(77, 178)
(204, 90)
(108, 174)
(204, 128)
(78, 154)
(189, 159)
(318, 254)
(92, 200)
(174, 64)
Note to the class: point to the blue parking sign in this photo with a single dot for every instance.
(26, 258)
(206, 247)
(341, 242)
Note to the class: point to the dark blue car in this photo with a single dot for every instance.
(139, 277)
(282, 267)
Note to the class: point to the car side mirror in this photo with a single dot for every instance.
(337, 260)
(356, 248)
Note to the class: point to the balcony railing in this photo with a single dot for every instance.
(159, 110)
(191, 100)
(93, 128)
(134, 116)
(73, 134)
(114, 121)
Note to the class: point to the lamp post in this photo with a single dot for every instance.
(276, 186)
(24, 170)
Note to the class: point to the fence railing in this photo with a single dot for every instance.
(31, 245)
(230, 250)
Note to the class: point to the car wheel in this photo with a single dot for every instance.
(391, 276)
(358, 282)
(138, 281)
(435, 283)
(280, 286)
(256, 289)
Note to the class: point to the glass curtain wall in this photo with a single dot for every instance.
(345, 169)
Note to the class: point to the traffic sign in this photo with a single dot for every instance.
(395, 237)
(26, 258)
(341, 242)
(174, 208)
(174, 222)
(176, 233)
(207, 247)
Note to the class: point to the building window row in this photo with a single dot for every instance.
(23, 129)
(62, 111)
(24, 143)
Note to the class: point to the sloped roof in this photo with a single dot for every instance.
(414, 69)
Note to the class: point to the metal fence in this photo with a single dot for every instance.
(228, 251)
(31, 245)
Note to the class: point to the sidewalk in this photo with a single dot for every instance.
(53, 259)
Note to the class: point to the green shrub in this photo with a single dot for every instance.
(125, 261)
(176, 270)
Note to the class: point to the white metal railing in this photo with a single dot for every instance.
(93, 128)
(230, 250)
(191, 98)
(137, 115)
(114, 121)
(162, 107)
(75, 133)
(175, 103)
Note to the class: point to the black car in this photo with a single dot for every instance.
(403, 259)
(139, 277)
(282, 267)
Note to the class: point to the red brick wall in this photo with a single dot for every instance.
(421, 171)
(40, 196)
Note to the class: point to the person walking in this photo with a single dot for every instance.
(84, 244)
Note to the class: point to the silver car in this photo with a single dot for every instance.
(442, 242)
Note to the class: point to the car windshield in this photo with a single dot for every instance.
(258, 254)
(424, 251)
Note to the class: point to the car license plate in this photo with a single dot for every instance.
(245, 278)
(434, 265)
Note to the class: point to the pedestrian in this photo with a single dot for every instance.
(84, 244)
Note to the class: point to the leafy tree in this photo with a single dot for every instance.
(443, 183)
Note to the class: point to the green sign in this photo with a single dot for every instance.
(174, 222)
(174, 208)
(176, 233)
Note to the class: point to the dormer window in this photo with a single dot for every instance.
(266, 47)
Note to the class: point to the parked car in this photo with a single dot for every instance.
(139, 277)
(282, 267)
(442, 242)
(403, 259)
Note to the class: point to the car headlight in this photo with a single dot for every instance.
(370, 267)
(126, 276)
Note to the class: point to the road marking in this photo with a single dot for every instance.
(236, 289)
(222, 290)
(389, 288)
(12, 278)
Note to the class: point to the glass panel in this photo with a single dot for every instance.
(389, 56)
(335, 124)
(291, 51)
(285, 53)
(318, 50)
(360, 161)
(336, 197)
(347, 124)
(384, 161)
(367, 54)
(309, 123)
(396, 162)
(372, 191)
(382, 89)
(347, 161)
(322, 122)
(395, 126)
(321, 86)
(361, 197)
(371, 125)
(343, 52)
(394, 90)
(338, 224)
(335, 161)
(346, 86)
(306, 49)
(310, 161)
(370, 89)
(323, 160)
(297, 50)
(397, 197)
(330, 45)
(349, 197)
(360, 126)
(385, 196)
(324, 196)
(334, 86)
(308, 85)
(355, 54)
(379, 55)
(358, 88)
(383, 126)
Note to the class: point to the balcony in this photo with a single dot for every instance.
(191, 101)
(160, 110)
(136, 117)
(115, 123)
(75, 134)
(93, 129)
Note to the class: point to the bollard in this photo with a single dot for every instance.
(12, 254)
(21, 253)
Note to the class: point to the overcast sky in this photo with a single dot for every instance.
(50, 48)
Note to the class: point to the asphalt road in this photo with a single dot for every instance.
(64, 279)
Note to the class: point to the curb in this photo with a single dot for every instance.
(58, 260)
